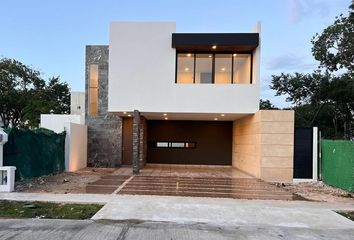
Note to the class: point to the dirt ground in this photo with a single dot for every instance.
(76, 182)
(318, 191)
(66, 182)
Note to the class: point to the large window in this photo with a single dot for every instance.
(223, 68)
(93, 90)
(214, 68)
(242, 68)
(185, 68)
(203, 68)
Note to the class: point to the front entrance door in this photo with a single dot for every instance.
(127, 155)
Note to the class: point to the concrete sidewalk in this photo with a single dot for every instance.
(223, 212)
(40, 229)
(215, 211)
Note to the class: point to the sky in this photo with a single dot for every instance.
(51, 35)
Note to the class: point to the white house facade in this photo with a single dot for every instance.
(157, 96)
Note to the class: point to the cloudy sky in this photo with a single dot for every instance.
(51, 35)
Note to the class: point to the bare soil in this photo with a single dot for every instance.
(67, 182)
(318, 191)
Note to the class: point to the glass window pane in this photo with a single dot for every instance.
(178, 144)
(93, 90)
(204, 68)
(223, 65)
(162, 144)
(185, 68)
(242, 68)
(93, 75)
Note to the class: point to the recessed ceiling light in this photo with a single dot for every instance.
(215, 119)
(166, 118)
(223, 115)
(186, 69)
(124, 112)
(214, 47)
(188, 55)
(222, 69)
(165, 114)
(234, 54)
(129, 115)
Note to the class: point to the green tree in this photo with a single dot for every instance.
(24, 95)
(266, 105)
(325, 98)
(334, 47)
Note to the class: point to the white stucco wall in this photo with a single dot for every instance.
(142, 76)
(75, 147)
(77, 104)
(55, 122)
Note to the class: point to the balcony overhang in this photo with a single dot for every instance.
(223, 42)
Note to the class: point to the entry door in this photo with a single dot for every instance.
(127, 155)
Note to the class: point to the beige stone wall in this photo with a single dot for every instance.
(263, 145)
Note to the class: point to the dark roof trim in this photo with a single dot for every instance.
(223, 41)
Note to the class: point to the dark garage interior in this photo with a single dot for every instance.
(189, 142)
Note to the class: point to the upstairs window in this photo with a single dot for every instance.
(185, 68)
(214, 68)
(203, 68)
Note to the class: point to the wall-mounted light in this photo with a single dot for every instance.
(223, 115)
(215, 119)
(165, 114)
(186, 69)
(210, 56)
(223, 69)
(213, 47)
(124, 112)
(188, 55)
(129, 115)
(166, 118)
(234, 54)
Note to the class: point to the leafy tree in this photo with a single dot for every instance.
(266, 105)
(320, 99)
(334, 47)
(325, 98)
(24, 95)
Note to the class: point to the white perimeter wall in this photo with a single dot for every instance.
(55, 122)
(75, 147)
(142, 76)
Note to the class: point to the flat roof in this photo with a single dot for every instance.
(224, 42)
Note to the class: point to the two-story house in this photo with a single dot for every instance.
(157, 96)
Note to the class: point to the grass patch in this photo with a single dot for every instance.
(349, 215)
(16, 209)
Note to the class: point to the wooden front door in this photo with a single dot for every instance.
(127, 155)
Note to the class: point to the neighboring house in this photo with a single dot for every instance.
(157, 96)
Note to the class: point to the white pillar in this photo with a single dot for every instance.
(7, 174)
(3, 140)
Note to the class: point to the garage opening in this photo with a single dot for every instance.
(189, 142)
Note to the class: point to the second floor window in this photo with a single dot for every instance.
(214, 68)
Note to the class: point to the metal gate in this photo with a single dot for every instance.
(303, 153)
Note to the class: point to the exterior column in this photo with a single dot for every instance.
(136, 142)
